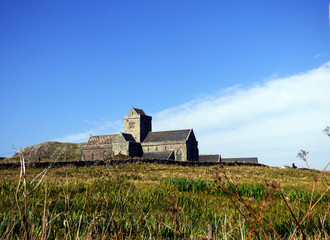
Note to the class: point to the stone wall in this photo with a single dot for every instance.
(98, 147)
(179, 148)
(116, 162)
(97, 152)
(137, 125)
(120, 146)
(192, 149)
(135, 149)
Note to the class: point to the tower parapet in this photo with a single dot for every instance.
(138, 124)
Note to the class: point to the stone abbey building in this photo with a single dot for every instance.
(138, 140)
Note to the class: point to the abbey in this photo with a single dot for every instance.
(138, 140)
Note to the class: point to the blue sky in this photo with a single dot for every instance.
(232, 70)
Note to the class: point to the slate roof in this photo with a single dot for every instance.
(139, 111)
(209, 158)
(159, 155)
(175, 135)
(102, 139)
(247, 159)
(128, 137)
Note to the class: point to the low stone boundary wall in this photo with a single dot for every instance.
(116, 162)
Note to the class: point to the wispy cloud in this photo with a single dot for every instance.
(97, 128)
(273, 120)
(317, 55)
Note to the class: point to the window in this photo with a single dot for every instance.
(164, 147)
(92, 156)
(105, 153)
(131, 125)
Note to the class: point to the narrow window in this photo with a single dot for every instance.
(92, 156)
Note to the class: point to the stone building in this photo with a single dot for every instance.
(217, 158)
(178, 144)
(98, 147)
(210, 158)
(138, 140)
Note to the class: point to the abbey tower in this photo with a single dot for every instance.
(138, 124)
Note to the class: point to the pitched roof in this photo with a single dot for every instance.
(175, 135)
(159, 155)
(102, 139)
(209, 158)
(136, 111)
(128, 137)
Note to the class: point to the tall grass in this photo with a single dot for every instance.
(116, 208)
(255, 191)
(140, 201)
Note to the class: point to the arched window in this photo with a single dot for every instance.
(92, 156)
(179, 155)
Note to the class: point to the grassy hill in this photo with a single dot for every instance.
(50, 151)
(159, 201)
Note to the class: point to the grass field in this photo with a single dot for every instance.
(156, 201)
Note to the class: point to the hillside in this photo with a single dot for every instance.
(52, 151)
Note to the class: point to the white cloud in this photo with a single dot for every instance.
(272, 121)
(317, 55)
(98, 128)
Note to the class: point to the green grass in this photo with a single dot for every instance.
(157, 201)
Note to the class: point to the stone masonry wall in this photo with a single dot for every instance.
(137, 125)
(97, 152)
(168, 146)
(135, 149)
(120, 146)
(192, 150)
(116, 162)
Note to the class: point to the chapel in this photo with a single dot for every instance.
(138, 140)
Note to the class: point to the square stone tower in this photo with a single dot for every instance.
(138, 124)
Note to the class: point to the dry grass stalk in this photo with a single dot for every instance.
(256, 217)
(22, 183)
(81, 215)
(293, 215)
(311, 207)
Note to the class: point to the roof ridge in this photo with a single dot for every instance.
(138, 111)
(176, 130)
(104, 135)
(190, 130)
